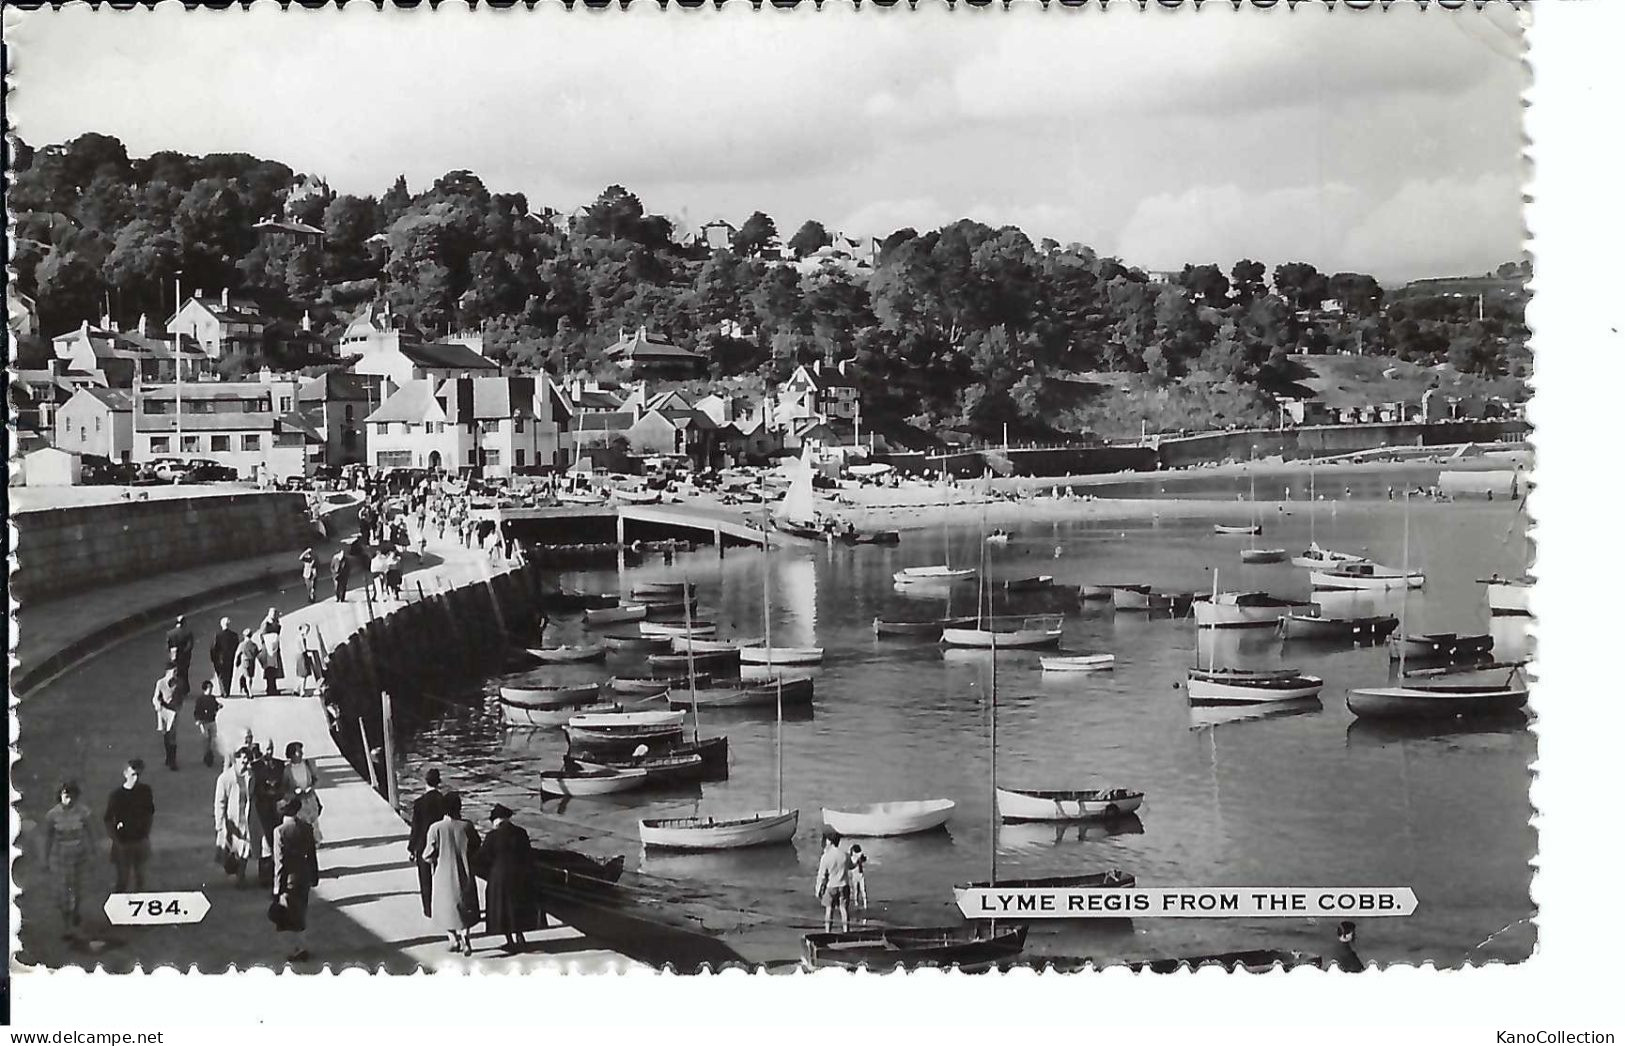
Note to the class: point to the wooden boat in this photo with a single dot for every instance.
(1508, 596)
(796, 691)
(618, 728)
(1364, 577)
(1033, 632)
(568, 654)
(1246, 610)
(592, 782)
(932, 574)
(677, 664)
(920, 628)
(625, 720)
(1440, 646)
(633, 641)
(1315, 556)
(529, 715)
(1238, 686)
(881, 948)
(1140, 597)
(781, 655)
(885, 819)
(1263, 555)
(550, 696)
(1352, 629)
(667, 766)
(719, 833)
(1111, 879)
(1079, 663)
(1230, 528)
(1038, 804)
(615, 614)
(683, 644)
(648, 686)
(636, 497)
(661, 591)
(1091, 593)
(871, 537)
(669, 610)
(572, 871)
(1434, 701)
(576, 599)
(1482, 668)
(668, 629)
(1030, 584)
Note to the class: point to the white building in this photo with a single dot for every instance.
(393, 350)
(492, 426)
(238, 424)
(98, 421)
(219, 327)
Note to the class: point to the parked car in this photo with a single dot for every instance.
(168, 470)
(202, 470)
(96, 469)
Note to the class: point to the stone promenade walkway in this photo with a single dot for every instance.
(84, 724)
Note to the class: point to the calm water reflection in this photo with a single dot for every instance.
(1298, 796)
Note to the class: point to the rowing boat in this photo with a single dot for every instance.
(684, 644)
(1032, 632)
(528, 715)
(592, 782)
(1078, 663)
(1233, 528)
(1437, 701)
(616, 614)
(661, 590)
(1237, 686)
(1364, 577)
(1353, 629)
(647, 686)
(781, 655)
(677, 664)
(920, 628)
(1038, 804)
(1440, 646)
(633, 641)
(1246, 610)
(667, 629)
(719, 833)
(886, 819)
(883, 949)
(792, 691)
(658, 768)
(926, 575)
(568, 654)
(549, 696)
(1263, 555)
(1030, 584)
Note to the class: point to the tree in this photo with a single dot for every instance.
(616, 214)
(1360, 294)
(394, 202)
(1206, 283)
(809, 238)
(1301, 284)
(1247, 277)
(69, 292)
(756, 235)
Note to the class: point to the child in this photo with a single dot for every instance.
(859, 891)
(204, 711)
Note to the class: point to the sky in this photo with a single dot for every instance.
(1375, 141)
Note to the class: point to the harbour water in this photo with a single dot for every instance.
(1308, 798)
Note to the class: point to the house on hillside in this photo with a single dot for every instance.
(716, 235)
(643, 354)
(98, 421)
(382, 344)
(674, 431)
(288, 232)
(335, 405)
(589, 397)
(124, 359)
(220, 328)
(817, 392)
(489, 426)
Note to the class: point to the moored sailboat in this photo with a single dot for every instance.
(1246, 610)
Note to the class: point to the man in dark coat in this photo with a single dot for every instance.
(426, 810)
(340, 568)
(295, 871)
(179, 641)
(504, 862)
(1344, 957)
(222, 654)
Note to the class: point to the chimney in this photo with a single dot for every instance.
(643, 333)
(141, 325)
(304, 322)
(198, 293)
(225, 298)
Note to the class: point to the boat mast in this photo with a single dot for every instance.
(1311, 502)
(767, 644)
(688, 630)
(1404, 583)
(1213, 650)
(1252, 499)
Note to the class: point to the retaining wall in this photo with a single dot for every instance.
(61, 551)
(1322, 440)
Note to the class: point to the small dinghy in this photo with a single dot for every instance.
(1440, 646)
(667, 629)
(932, 574)
(661, 591)
(1013, 634)
(920, 628)
(1239, 686)
(1263, 555)
(685, 644)
(871, 537)
(618, 728)
(528, 715)
(649, 686)
(592, 782)
(1079, 663)
(886, 819)
(1030, 584)
(912, 947)
(1348, 629)
(1364, 577)
(781, 655)
(1034, 804)
(1438, 701)
(1315, 556)
(1111, 879)
(1244, 529)
(615, 615)
(1092, 593)
(558, 655)
(633, 641)
(670, 611)
(1141, 597)
(678, 664)
(1246, 610)
(561, 696)
(719, 833)
(670, 766)
(791, 691)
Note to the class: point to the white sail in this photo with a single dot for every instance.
(798, 502)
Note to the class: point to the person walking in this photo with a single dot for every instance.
(364, 518)
(309, 660)
(270, 640)
(68, 835)
(504, 862)
(204, 712)
(859, 888)
(427, 809)
(237, 836)
(128, 820)
(339, 567)
(834, 882)
(299, 781)
(392, 572)
(293, 850)
(168, 695)
(376, 583)
(307, 561)
(223, 655)
(450, 850)
(248, 656)
(179, 641)
(267, 771)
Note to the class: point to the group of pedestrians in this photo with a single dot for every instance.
(451, 857)
(841, 884)
(69, 842)
(238, 658)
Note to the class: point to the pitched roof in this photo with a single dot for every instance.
(414, 401)
(597, 399)
(445, 355)
(641, 347)
(288, 225)
(340, 384)
(613, 421)
(684, 418)
(115, 399)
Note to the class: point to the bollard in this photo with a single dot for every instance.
(389, 748)
(366, 753)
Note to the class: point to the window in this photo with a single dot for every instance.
(286, 404)
(518, 425)
(490, 457)
(154, 406)
(82, 433)
(489, 427)
(219, 444)
(191, 444)
(159, 444)
(518, 458)
(349, 412)
(383, 427)
(393, 459)
(473, 457)
(251, 442)
(98, 424)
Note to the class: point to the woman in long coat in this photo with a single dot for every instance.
(68, 842)
(270, 640)
(454, 897)
(238, 837)
(504, 862)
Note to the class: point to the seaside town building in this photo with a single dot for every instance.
(643, 354)
(122, 359)
(335, 405)
(242, 425)
(384, 346)
(98, 421)
(220, 328)
(490, 426)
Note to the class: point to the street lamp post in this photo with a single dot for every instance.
(177, 363)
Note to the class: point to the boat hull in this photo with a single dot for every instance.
(1338, 581)
(986, 639)
(1225, 613)
(711, 833)
(1243, 692)
(567, 655)
(523, 715)
(1229, 528)
(927, 575)
(1082, 805)
(1403, 702)
(614, 615)
(678, 664)
(781, 655)
(920, 628)
(1441, 647)
(1087, 663)
(1507, 598)
(604, 782)
(549, 696)
(1263, 555)
(669, 767)
(1349, 629)
(665, 630)
(880, 949)
(794, 692)
(879, 820)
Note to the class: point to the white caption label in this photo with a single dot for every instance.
(1207, 902)
(156, 909)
